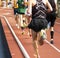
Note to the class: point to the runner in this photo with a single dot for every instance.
(9, 4)
(4, 3)
(21, 11)
(37, 9)
(15, 6)
(51, 17)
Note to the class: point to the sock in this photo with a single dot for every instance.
(52, 34)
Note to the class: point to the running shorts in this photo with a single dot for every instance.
(21, 10)
(51, 17)
(15, 10)
(38, 24)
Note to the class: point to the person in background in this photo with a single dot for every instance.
(51, 18)
(15, 7)
(3, 3)
(9, 4)
(37, 11)
(21, 10)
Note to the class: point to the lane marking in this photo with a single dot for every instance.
(45, 40)
(6, 13)
(58, 50)
(52, 46)
(17, 40)
(57, 22)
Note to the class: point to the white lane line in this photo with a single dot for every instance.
(52, 46)
(6, 13)
(57, 22)
(17, 40)
(58, 50)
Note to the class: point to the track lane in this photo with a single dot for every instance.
(14, 49)
(45, 51)
(28, 45)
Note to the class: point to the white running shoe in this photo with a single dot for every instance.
(43, 34)
(43, 37)
(17, 26)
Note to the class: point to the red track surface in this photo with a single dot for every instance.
(46, 51)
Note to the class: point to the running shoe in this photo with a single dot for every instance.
(22, 33)
(17, 26)
(41, 42)
(51, 42)
(42, 38)
(24, 26)
(44, 35)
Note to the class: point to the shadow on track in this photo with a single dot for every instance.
(4, 49)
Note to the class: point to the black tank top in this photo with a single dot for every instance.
(39, 10)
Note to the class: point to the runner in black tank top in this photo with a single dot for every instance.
(38, 23)
(38, 17)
